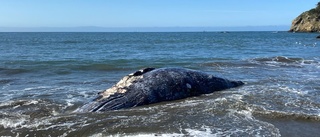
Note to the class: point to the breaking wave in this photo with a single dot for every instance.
(282, 61)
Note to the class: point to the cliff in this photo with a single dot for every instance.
(308, 21)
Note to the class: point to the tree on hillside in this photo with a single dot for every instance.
(315, 11)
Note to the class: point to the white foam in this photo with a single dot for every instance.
(13, 122)
(140, 135)
(204, 132)
(36, 88)
(31, 102)
(6, 103)
(24, 103)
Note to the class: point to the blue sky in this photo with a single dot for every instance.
(150, 13)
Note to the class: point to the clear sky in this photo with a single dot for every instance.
(150, 13)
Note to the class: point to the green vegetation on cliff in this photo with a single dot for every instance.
(315, 12)
(308, 21)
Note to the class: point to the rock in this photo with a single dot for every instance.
(308, 21)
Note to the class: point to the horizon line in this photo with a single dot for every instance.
(146, 29)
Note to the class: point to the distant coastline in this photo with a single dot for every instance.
(143, 29)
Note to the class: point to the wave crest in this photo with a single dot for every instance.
(282, 61)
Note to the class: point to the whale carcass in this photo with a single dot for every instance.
(152, 85)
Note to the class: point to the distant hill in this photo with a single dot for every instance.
(308, 21)
(142, 29)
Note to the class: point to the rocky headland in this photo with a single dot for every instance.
(308, 21)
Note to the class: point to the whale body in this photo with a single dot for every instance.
(152, 85)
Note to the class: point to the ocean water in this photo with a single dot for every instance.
(44, 77)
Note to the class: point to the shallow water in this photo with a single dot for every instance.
(44, 77)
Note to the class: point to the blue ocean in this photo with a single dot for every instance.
(44, 77)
